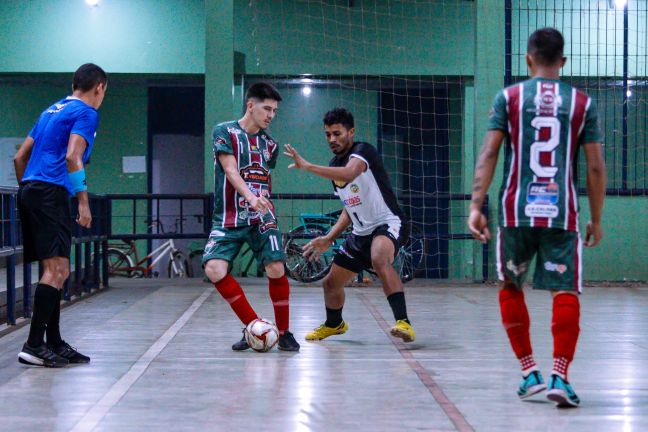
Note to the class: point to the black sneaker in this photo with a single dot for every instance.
(41, 356)
(70, 353)
(241, 345)
(287, 342)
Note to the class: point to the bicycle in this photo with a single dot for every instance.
(124, 261)
(312, 225)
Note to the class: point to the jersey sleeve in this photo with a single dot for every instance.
(273, 149)
(86, 126)
(221, 140)
(497, 117)
(591, 131)
(366, 153)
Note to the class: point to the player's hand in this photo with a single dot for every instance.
(84, 218)
(298, 161)
(316, 247)
(260, 204)
(593, 234)
(478, 225)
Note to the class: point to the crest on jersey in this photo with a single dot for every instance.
(266, 155)
(355, 188)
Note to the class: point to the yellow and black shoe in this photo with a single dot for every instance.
(323, 331)
(403, 330)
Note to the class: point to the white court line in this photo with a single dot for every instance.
(119, 389)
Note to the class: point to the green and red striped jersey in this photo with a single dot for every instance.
(546, 121)
(255, 156)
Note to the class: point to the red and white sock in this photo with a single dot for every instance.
(565, 329)
(515, 318)
(279, 294)
(233, 294)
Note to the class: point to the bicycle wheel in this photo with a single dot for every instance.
(410, 255)
(119, 264)
(299, 267)
(178, 266)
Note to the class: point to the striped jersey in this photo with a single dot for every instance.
(546, 121)
(255, 155)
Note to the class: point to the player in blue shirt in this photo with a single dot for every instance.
(50, 168)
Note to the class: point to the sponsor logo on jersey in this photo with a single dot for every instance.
(232, 130)
(553, 267)
(352, 201)
(57, 108)
(267, 226)
(255, 173)
(354, 188)
(539, 192)
(517, 270)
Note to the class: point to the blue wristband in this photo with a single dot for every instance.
(78, 180)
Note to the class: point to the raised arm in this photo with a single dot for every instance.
(22, 157)
(228, 162)
(596, 184)
(346, 174)
(477, 222)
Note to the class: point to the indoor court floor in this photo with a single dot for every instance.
(161, 361)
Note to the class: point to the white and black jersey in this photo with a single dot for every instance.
(369, 198)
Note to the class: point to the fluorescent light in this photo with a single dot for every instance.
(307, 80)
(306, 91)
(628, 93)
(92, 2)
(617, 4)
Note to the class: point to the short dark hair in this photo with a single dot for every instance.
(339, 116)
(262, 91)
(546, 46)
(88, 76)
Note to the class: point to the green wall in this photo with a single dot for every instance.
(127, 36)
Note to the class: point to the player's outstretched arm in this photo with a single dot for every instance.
(228, 162)
(314, 248)
(346, 174)
(477, 222)
(596, 184)
(22, 157)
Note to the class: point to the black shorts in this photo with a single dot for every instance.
(355, 253)
(46, 220)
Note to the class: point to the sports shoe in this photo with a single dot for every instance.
(561, 392)
(531, 384)
(70, 353)
(41, 356)
(403, 330)
(241, 345)
(287, 342)
(323, 331)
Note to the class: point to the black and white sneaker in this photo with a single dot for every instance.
(241, 345)
(41, 356)
(70, 353)
(287, 342)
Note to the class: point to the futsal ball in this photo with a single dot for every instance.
(261, 335)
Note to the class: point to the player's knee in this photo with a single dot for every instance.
(381, 263)
(214, 271)
(275, 269)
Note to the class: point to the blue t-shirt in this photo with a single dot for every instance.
(51, 135)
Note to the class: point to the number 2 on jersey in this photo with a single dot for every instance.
(547, 146)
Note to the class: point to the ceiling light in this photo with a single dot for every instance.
(306, 91)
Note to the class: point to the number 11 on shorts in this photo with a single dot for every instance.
(274, 243)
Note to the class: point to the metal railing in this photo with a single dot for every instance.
(87, 243)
